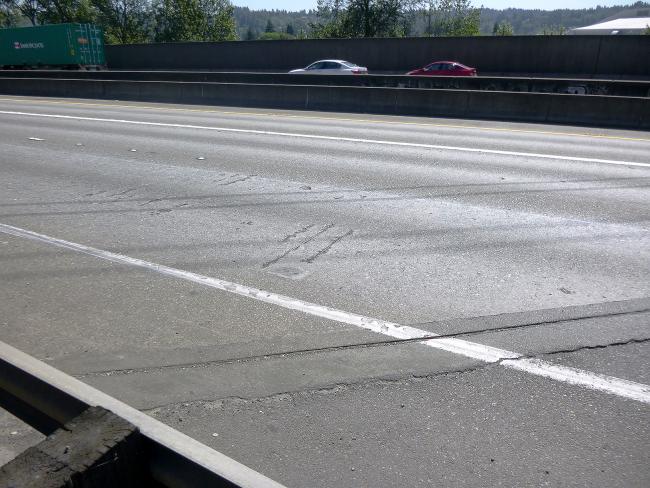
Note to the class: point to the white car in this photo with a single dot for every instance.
(331, 67)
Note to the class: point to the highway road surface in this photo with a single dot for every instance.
(335, 299)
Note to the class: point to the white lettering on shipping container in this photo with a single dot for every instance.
(29, 45)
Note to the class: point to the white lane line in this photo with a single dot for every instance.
(580, 377)
(334, 138)
(608, 384)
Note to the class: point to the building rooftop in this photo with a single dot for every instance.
(633, 25)
(620, 24)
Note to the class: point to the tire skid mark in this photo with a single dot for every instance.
(326, 249)
(325, 228)
(130, 190)
(297, 233)
(152, 201)
(238, 180)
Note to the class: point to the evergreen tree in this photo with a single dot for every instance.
(218, 20)
(275, 36)
(269, 26)
(553, 30)
(194, 20)
(9, 15)
(454, 18)
(124, 21)
(361, 18)
(503, 28)
(14, 8)
(63, 11)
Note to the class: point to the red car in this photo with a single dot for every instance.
(444, 68)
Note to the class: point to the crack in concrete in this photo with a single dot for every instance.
(314, 351)
(240, 360)
(325, 389)
(390, 380)
(527, 324)
(591, 347)
(378, 343)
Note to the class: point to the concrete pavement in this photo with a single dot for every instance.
(528, 245)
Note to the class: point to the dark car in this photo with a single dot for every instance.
(444, 68)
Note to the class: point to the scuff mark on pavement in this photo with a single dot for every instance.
(297, 246)
(297, 233)
(324, 250)
(248, 177)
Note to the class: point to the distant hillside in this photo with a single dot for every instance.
(533, 21)
(256, 20)
(524, 22)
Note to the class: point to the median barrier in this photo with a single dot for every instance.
(530, 107)
(444, 103)
(568, 109)
(520, 84)
(627, 112)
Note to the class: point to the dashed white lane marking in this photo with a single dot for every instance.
(556, 157)
(389, 120)
(509, 359)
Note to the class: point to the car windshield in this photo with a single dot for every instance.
(347, 64)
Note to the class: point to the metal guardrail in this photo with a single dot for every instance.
(623, 88)
(47, 398)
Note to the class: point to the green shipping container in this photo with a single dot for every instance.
(55, 46)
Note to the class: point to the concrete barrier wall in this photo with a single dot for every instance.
(535, 107)
(615, 56)
(624, 88)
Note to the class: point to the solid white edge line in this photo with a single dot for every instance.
(481, 352)
(184, 445)
(374, 325)
(588, 379)
(338, 139)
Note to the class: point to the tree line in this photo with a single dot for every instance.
(421, 22)
(134, 21)
(395, 18)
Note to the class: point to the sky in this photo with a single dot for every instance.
(499, 4)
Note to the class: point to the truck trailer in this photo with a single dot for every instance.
(56, 46)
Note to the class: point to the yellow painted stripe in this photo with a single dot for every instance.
(326, 117)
